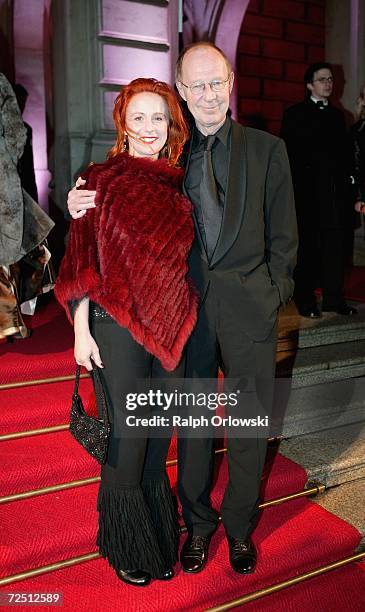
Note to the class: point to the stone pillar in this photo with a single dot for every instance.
(345, 45)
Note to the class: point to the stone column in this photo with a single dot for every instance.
(345, 45)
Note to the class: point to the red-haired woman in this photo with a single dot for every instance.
(124, 274)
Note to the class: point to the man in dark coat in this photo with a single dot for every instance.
(242, 263)
(315, 135)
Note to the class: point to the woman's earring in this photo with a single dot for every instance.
(125, 143)
(166, 152)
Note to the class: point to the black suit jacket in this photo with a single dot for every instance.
(253, 262)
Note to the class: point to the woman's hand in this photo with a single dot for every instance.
(85, 350)
(79, 200)
(360, 207)
(85, 347)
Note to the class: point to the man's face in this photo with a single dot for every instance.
(322, 84)
(203, 66)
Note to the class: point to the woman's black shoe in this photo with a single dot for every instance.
(168, 574)
(134, 577)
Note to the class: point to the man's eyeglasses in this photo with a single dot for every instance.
(324, 80)
(198, 88)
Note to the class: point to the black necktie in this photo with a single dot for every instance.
(209, 201)
(320, 104)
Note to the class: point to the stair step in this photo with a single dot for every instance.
(324, 593)
(95, 588)
(47, 353)
(304, 410)
(322, 364)
(347, 502)
(35, 406)
(291, 539)
(57, 458)
(333, 456)
(298, 332)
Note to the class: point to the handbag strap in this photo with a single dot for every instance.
(77, 380)
(100, 395)
(99, 391)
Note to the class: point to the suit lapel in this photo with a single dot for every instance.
(197, 228)
(236, 193)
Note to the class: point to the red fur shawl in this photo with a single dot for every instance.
(129, 254)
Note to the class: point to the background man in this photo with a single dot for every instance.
(315, 135)
(241, 262)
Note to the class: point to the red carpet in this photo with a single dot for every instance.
(46, 354)
(289, 537)
(292, 538)
(56, 457)
(35, 407)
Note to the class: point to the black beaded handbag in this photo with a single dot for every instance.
(91, 432)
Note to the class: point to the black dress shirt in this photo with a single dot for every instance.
(220, 161)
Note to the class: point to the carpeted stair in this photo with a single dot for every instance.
(28, 412)
(292, 538)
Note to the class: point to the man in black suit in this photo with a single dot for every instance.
(242, 263)
(315, 135)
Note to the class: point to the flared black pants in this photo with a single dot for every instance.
(138, 526)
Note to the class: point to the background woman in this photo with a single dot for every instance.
(125, 267)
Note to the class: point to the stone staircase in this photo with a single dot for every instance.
(320, 370)
(320, 410)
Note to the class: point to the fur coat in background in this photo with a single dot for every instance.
(23, 224)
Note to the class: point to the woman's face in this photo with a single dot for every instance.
(147, 121)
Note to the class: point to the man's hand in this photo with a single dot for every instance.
(78, 201)
(360, 207)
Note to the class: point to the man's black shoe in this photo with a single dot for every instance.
(194, 553)
(341, 309)
(309, 310)
(242, 555)
(134, 577)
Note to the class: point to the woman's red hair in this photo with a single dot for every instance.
(178, 131)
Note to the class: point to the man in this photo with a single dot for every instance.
(241, 262)
(315, 135)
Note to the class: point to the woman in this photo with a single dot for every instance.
(24, 226)
(125, 269)
(357, 134)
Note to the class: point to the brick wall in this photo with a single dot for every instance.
(278, 40)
